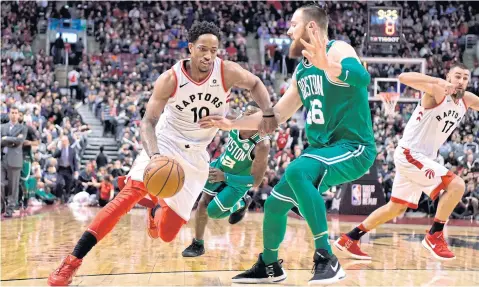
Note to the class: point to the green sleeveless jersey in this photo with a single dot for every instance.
(237, 158)
(337, 112)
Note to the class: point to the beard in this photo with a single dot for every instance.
(297, 47)
(459, 94)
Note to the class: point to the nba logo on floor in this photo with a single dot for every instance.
(356, 193)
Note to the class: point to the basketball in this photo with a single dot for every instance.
(164, 177)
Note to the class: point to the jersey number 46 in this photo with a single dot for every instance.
(315, 115)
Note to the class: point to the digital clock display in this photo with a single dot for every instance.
(385, 25)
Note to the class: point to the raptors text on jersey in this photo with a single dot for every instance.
(192, 101)
(428, 129)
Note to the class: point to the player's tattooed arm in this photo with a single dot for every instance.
(260, 162)
(165, 87)
(435, 88)
(471, 100)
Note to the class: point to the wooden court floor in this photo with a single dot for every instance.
(33, 246)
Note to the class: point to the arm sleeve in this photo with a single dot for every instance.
(353, 73)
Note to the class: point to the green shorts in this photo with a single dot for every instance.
(213, 188)
(329, 166)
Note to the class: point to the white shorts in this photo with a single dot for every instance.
(194, 161)
(415, 174)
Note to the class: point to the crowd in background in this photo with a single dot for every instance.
(140, 40)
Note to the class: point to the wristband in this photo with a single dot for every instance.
(155, 154)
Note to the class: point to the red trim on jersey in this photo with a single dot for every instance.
(223, 76)
(465, 105)
(436, 105)
(403, 202)
(193, 81)
(176, 84)
(445, 181)
(411, 160)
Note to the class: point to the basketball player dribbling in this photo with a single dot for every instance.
(442, 107)
(191, 89)
(332, 85)
(239, 168)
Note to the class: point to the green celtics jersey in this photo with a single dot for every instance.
(237, 159)
(337, 112)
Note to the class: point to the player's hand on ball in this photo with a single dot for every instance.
(315, 51)
(215, 122)
(216, 175)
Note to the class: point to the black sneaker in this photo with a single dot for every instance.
(326, 269)
(261, 273)
(239, 214)
(194, 250)
(8, 213)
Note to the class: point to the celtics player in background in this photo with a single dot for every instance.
(332, 84)
(239, 168)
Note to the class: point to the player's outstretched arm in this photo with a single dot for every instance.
(431, 86)
(283, 110)
(260, 162)
(165, 87)
(235, 75)
(472, 101)
(341, 61)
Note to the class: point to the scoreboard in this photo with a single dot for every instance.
(385, 25)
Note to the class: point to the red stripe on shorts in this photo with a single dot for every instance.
(411, 160)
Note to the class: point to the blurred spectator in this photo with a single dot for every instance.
(106, 191)
(59, 51)
(88, 180)
(67, 166)
(101, 158)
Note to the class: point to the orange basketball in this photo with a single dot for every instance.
(164, 177)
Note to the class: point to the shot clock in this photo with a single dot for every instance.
(385, 25)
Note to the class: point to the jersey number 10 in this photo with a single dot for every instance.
(315, 115)
(200, 113)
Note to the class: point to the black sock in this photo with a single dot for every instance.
(356, 233)
(153, 210)
(436, 226)
(84, 245)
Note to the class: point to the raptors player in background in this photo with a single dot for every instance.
(442, 107)
(193, 88)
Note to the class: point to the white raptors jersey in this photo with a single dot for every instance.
(428, 129)
(192, 101)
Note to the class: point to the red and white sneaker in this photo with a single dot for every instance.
(151, 226)
(351, 247)
(437, 245)
(64, 274)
